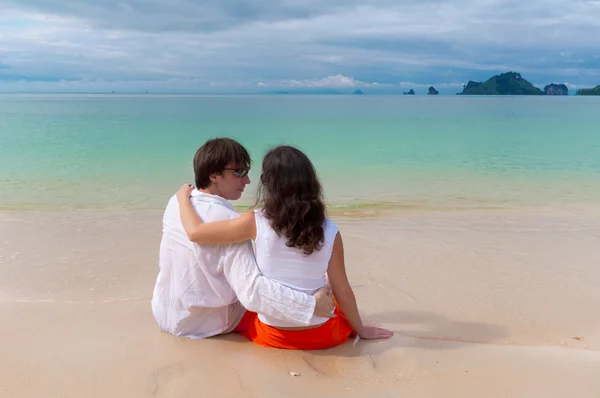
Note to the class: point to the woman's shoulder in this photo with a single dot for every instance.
(259, 214)
(262, 224)
(329, 223)
(331, 228)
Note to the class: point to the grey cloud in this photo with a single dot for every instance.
(187, 15)
(240, 43)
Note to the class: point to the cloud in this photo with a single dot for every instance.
(329, 81)
(231, 45)
(185, 15)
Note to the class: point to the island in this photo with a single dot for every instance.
(432, 91)
(589, 91)
(358, 92)
(410, 92)
(556, 89)
(510, 83)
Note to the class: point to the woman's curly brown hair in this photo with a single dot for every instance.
(291, 197)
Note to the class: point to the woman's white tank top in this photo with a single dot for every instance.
(289, 265)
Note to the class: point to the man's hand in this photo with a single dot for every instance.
(324, 305)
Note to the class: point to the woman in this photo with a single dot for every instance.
(296, 245)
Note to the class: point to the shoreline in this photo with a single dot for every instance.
(362, 210)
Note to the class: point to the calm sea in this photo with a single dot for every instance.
(62, 151)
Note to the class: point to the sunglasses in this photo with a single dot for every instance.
(241, 173)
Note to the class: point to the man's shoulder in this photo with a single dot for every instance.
(215, 212)
(210, 209)
(207, 208)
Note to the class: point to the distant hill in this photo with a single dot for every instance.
(510, 83)
(589, 91)
(359, 92)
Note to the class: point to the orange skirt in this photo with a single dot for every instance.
(334, 332)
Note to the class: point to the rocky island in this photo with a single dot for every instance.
(556, 89)
(410, 92)
(358, 92)
(432, 91)
(510, 83)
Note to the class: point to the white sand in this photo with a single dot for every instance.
(484, 305)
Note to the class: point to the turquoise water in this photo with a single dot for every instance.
(118, 151)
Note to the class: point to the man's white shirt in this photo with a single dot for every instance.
(198, 286)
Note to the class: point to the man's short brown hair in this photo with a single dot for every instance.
(213, 156)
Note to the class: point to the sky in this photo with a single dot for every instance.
(254, 46)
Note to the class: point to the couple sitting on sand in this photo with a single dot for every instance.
(210, 282)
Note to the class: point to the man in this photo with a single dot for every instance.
(202, 291)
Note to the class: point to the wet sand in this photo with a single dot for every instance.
(488, 304)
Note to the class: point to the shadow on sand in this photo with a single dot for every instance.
(413, 329)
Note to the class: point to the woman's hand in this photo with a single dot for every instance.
(374, 333)
(184, 192)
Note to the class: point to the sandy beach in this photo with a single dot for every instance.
(483, 304)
